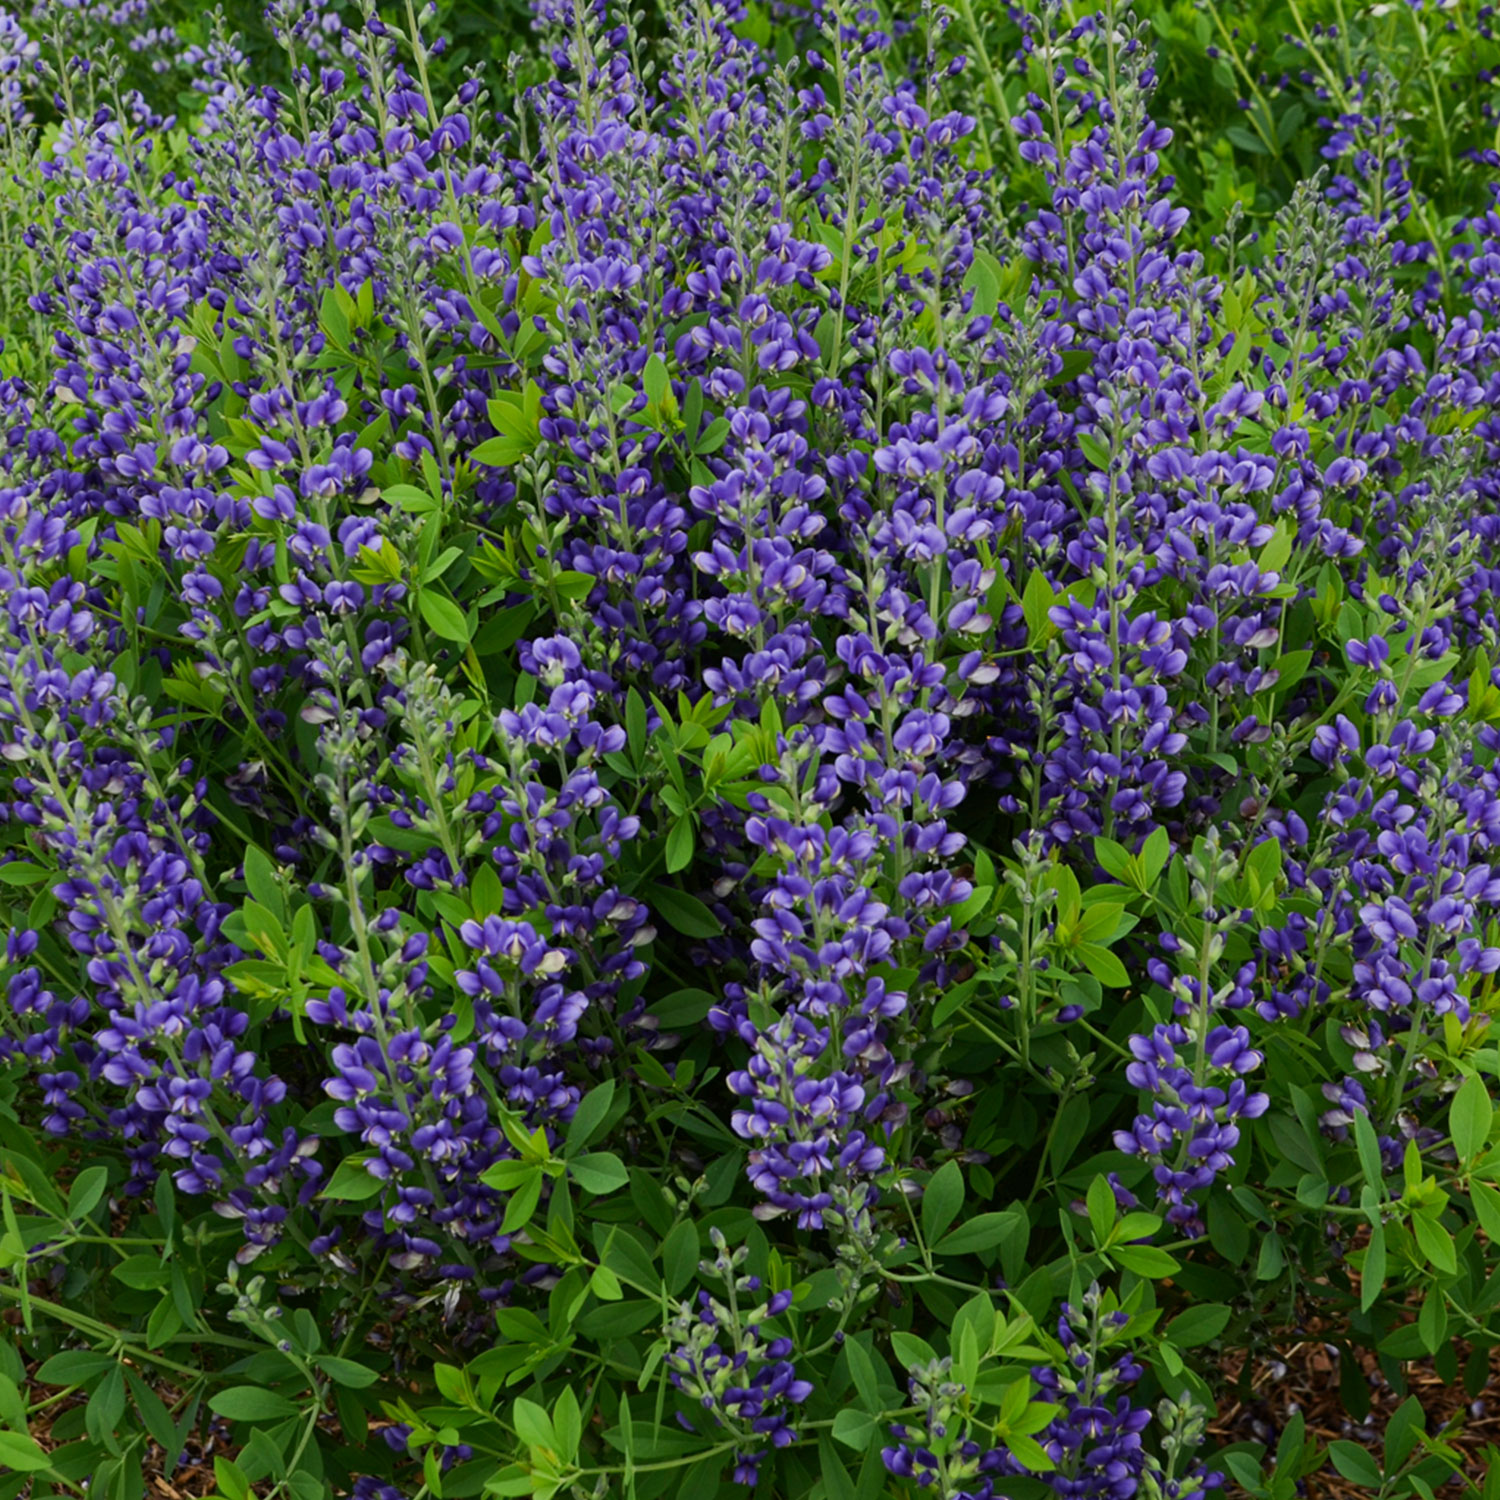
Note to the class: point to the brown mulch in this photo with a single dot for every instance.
(1302, 1375)
(191, 1480)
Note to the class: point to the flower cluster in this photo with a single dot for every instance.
(938, 1451)
(724, 1365)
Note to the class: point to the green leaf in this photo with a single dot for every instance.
(1292, 1142)
(635, 724)
(983, 1232)
(164, 1196)
(715, 435)
(1198, 1325)
(1290, 669)
(523, 1201)
(1486, 1201)
(22, 1453)
(74, 1367)
(1403, 1432)
(683, 1008)
(863, 1372)
(1368, 1146)
(679, 853)
(351, 1183)
(533, 1425)
(1136, 1226)
(1372, 1272)
(1227, 1231)
(605, 1285)
(617, 1320)
(444, 618)
(827, 331)
(1270, 1259)
(1155, 853)
(1432, 1320)
(1095, 450)
(1103, 965)
(513, 414)
(346, 1372)
(686, 914)
(1029, 1453)
(86, 1191)
(984, 278)
(1246, 140)
(679, 1256)
(1103, 919)
(692, 407)
(332, 317)
(154, 1414)
(647, 1440)
(588, 1117)
(1074, 363)
(1144, 1260)
(261, 882)
(1277, 552)
(409, 498)
(655, 379)
(1289, 1446)
(1356, 1464)
(501, 452)
(1436, 1243)
(453, 1384)
(837, 1483)
(567, 1423)
(965, 1343)
(911, 1350)
(250, 1403)
(598, 1172)
(1265, 862)
(230, 1479)
(573, 586)
(1014, 1401)
(264, 929)
(1102, 1208)
(1469, 1117)
(106, 1406)
(143, 1272)
(943, 1198)
(17, 873)
(855, 1429)
(954, 999)
(1036, 601)
(502, 630)
(1112, 858)
(1289, 122)
(511, 1480)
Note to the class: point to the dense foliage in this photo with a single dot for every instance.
(757, 753)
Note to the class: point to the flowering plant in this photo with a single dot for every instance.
(715, 775)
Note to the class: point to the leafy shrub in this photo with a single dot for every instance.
(717, 775)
